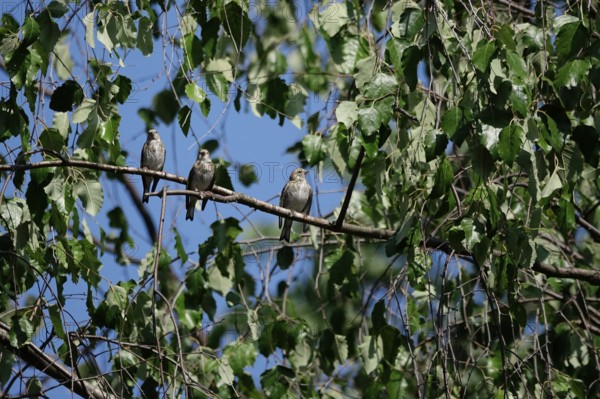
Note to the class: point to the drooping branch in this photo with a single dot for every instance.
(221, 194)
(37, 358)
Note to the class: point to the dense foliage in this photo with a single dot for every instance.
(472, 128)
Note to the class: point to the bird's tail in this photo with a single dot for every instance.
(146, 186)
(156, 179)
(190, 214)
(191, 207)
(285, 232)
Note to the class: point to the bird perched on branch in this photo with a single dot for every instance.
(201, 178)
(153, 158)
(297, 196)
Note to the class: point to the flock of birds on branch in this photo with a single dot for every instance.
(296, 194)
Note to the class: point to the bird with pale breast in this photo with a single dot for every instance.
(297, 196)
(201, 178)
(153, 158)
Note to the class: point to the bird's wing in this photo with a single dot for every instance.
(308, 205)
(143, 160)
(190, 175)
(212, 182)
(189, 182)
(282, 199)
(164, 150)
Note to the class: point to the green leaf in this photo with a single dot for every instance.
(572, 73)
(34, 388)
(218, 74)
(285, 257)
(51, 139)
(411, 22)
(241, 355)
(455, 120)
(483, 55)
(519, 248)
(378, 316)
(394, 50)
(225, 231)
(588, 141)
(57, 9)
(314, 148)
(165, 105)
(506, 36)
(123, 86)
(369, 120)
(247, 174)
(91, 195)
(571, 37)
(443, 179)
(519, 100)
(366, 68)
(193, 51)
(341, 347)
(411, 57)
(339, 265)
(554, 183)
(107, 30)
(144, 36)
(65, 96)
(31, 31)
(509, 144)
(116, 298)
(60, 122)
(516, 65)
(179, 247)
(237, 24)
(371, 352)
(187, 24)
(218, 281)
(344, 50)
(86, 139)
(347, 113)
(57, 323)
(195, 93)
(81, 114)
(63, 63)
(332, 17)
(566, 216)
(90, 29)
(184, 117)
(482, 161)
(49, 31)
(380, 85)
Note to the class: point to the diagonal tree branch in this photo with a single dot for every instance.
(350, 190)
(221, 194)
(37, 358)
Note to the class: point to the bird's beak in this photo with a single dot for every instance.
(305, 171)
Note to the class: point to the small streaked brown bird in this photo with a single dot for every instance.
(201, 178)
(297, 196)
(153, 158)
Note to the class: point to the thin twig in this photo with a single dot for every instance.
(161, 224)
(350, 190)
